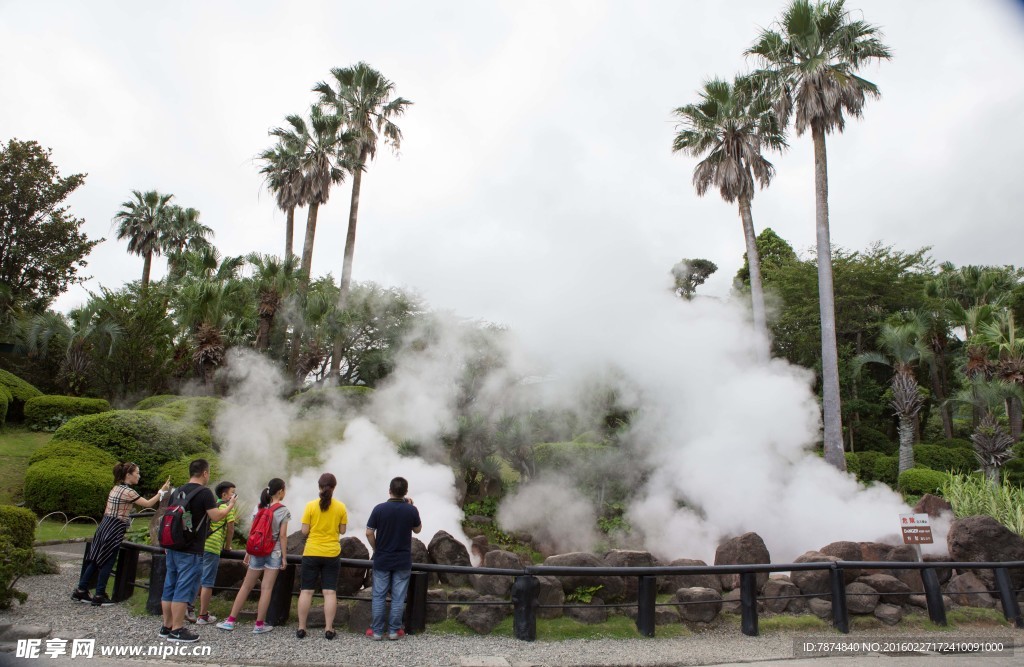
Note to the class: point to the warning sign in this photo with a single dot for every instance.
(916, 529)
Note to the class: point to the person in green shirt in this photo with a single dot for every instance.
(220, 536)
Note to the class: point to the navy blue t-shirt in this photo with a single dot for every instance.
(393, 522)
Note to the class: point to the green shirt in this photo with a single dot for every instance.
(218, 530)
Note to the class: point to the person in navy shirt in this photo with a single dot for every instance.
(389, 531)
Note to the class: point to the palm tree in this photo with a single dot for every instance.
(993, 446)
(906, 343)
(1000, 337)
(731, 125)
(83, 333)
(183, 233)
(274, 280)
(364, 100)
(284, 178)
(809, 65)
(142, 220)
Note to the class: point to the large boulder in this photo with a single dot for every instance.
(777, 594)
(360, 611)
(697, 604)
(875, 551)
(623, 558)
(460, 595)
(969, 590)
(483, 618)
(351, 579)
(551, 597)
(848, 551)
(889, 614)
(591, 615)
(497, 585)
(813, 582)
(943, 573)
(891, 589)
(670, 583)
(611, 588)
(437, 612)
(906, 553)
(420, 555)
(820, 607)
(747, 549)
(446, 550)
(861, 598)
(983, 539)
(933, 506)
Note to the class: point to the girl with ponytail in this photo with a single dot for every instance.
(106, 542)
(323, 522)
(267, 566)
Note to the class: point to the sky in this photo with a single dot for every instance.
(538, 147)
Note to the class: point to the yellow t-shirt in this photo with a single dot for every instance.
(323, 528)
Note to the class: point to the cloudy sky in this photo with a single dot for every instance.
(538, 148)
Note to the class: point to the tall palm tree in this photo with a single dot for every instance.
(809, 64)
(284, 178)
(730, 126)
(183, 233)
(142, 220)
(905, 343)
(274, 280)
(84, 333)
(1006, 350)
(363, 98)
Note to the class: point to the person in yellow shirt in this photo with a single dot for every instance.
(323, 523)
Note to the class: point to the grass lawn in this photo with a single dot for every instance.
(16, 446)
(54, 529)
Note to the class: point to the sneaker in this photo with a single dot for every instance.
(101, 600)
(81, 596)
(226, 625)
(182, 635)
(190, 614)
(394, 636)
(330, 634)
(300, 634)
(370, 634)
(262, 629)
(164, 631)
(206, 619)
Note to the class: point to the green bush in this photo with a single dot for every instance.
(559, 455)
(78, 452)
(198, 410)
(341, 399)
(178, 470)
(20, 392)
(919, 481)
(15, 562)
(48, 413)
(946, 459)
(157, 401)
(958, 443)
(51, 485)
(5, 400)
(974, 494)
(1013, 472)
(868, 439)
(19, 525)
(887, 469)
(853, 464)
(147, 438)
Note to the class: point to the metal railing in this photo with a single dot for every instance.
(525, 589)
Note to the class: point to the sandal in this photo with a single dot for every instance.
(300, 634)
(330, 634)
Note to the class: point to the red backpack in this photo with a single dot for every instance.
(261, 534)
(177, 530)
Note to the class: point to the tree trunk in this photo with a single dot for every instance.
(756, 289)
(289, 233)
(831, 415)
(940, 398)
(350, 250)
(263, 333)
(147, 264)
(303, 286)
(906, 430)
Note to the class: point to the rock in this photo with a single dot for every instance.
(437, 612)
(446, 550)
(906, 554)
(316, 618)
(969, 590)
(776, 595)
(820, 608)
(697, 604)
(478, 548)
(848, 551)
(551, 597)
(229, 572)
(731, 602)
(611, 588)
(875, 551)
(587, 614)
(420, 555)
(665, 615)
(670, 583)
(460, 595)
(360, 612)
(623, 558)
(889, 614)
(943, 573)
(933, 506)
(983, 539)
(296, 543)
(351, 579)
(12, 633)
(481, 619)
(891, 589)
(746, 549)
(145, 563)
(922, 602)
(813, 582)
(861, 598)
(493, 584)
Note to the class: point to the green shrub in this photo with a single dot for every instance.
(974, 494)
(946, 459)
(15, 562)
(868, 439)
(887, 470)
(144, 437)
(19, 525)
(198, 410)
(853, 464)
(1013, 472)
(20, 392)
(178, 470)
(5, 400)
(157, 401)
(958, 443)
(78, 452)
(919, 481)
(48, 413)
(51, 485)
(340, 399)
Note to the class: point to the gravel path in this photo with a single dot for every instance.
(49, 604)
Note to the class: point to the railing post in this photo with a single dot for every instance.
(157, 572)
(416, 603)
(748, 603)
(1011, 608)
(647, 592)
(281, 597)
(124, 574)
(933, 596)
(525, 596)
(840, 614)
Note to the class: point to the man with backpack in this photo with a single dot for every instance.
(389, 531)
(183, 531)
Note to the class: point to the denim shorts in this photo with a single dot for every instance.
(210, 564)
(182, 573)
(271, 562)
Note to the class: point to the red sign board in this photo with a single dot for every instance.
(916, 529)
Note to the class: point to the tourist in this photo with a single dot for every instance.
(323, 522)
(267, 566)
(110, 533)
(184, 563)
(221, 534)
(389, 531)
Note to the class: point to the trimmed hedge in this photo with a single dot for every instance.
(145, 437)
(51, 485)
(338, 398)
(157, 401)
(18, 524)
(919, 481)
(5, 400)
(20, 392)
(178, 470)
(1013, 472)
(853, 464)
(868, 439)
(946, 459)
(77, 452)
(198, 410)
(957, 443)
(877, 467)
(48, 413)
